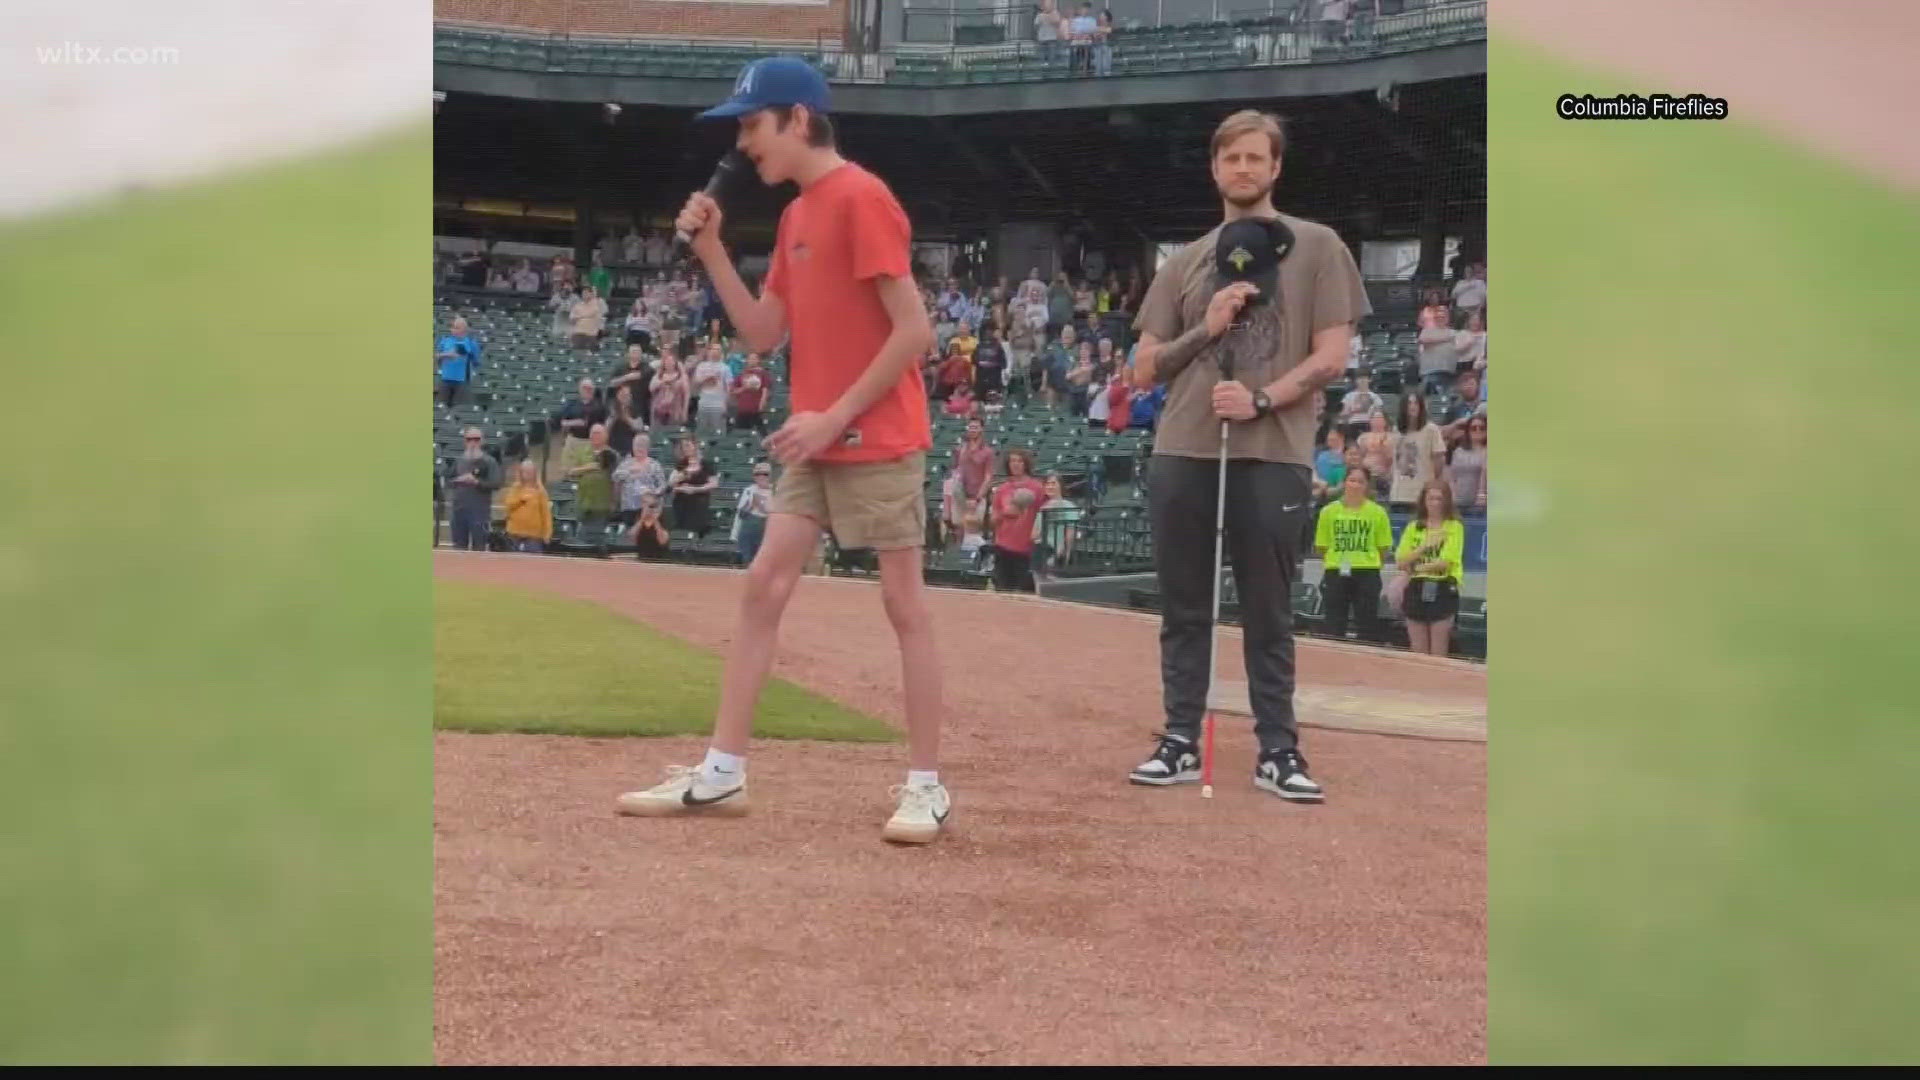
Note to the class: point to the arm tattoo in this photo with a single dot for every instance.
(1175, 355)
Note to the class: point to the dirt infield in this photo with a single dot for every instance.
(1070, 918)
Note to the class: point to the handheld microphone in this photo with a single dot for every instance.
(722, 171)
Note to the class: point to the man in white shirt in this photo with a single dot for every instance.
(1046, 30)
(1470, 292)
(710, 382)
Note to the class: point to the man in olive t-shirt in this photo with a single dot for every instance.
(1282, 345)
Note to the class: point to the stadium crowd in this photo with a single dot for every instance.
(1058, 347)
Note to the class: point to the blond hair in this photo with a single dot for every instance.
(1245, 122)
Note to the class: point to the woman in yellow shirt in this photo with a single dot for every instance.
(529, 511)
(1354, 539)
(1430, 553)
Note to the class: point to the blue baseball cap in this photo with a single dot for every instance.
(775, 80)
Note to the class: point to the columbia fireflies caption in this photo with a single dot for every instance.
(1636, 107)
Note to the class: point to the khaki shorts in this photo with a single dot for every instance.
(867, 504)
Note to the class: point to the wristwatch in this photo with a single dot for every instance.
(1262, 405)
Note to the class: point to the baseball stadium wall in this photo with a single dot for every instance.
(1300, 80)
(807, 21)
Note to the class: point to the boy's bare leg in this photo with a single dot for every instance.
(788, 544)
(902, 588)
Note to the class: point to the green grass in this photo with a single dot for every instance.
(509, 660)
(215, 761)
(1702, 794)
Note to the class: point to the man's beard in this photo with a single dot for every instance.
(1246, 202)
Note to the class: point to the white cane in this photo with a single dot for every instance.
(1213, 630)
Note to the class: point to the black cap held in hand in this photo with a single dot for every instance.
(1250, 250)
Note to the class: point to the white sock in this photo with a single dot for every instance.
(922, 779)
(723, 770)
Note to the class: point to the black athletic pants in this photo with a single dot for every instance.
(1359, 592)
(1266, 504)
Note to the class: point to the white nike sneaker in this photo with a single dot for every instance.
(921, 815)
(684, 792)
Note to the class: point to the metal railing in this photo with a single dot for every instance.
(1236, 40)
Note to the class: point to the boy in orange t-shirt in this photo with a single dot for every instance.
(854, 450)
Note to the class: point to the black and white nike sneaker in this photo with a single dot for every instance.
(1175, 761)
(1284, 772)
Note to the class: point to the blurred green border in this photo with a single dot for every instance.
(215, 757)
(1702, 774)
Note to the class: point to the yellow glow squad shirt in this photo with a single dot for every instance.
(1452, 550)
(1353, 536)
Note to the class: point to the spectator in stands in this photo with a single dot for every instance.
(475, 478)
(1332, 29)
(1431, 550)
(635, 478)
(990, 366)
(623, 420)
(964, 340)
(1059, 305)
(529, 511)
(1047, 28)
(1330, 466)
(578, 417)
(671, 392)
(973, 460)
(1467, 468)
(954, 372)
(1104, 361)
(1439, 359)
(497, 279)
(1146, 408)
(1418, 456)
(564, 273)
(649, 534)
(472, 269)
(1470, 344)
(752, 392)
(600, 278)
(750, 513)
(693, 481)
(1378, 446)
(1356, 405)
(1033, 290)
(591, 467)
(639, 325)
(589, 316)
(1354, 540)
(1103, 43)
(634, 375)
(561, 304)
(1080, 40)
(711, 382)
(525, 278)
(961, 401)
(1470, 292)
(1434, 310)
(1119, 393)
(1083, 300)
(1462, 405)
(455, 357)
(1016, 507)
(1055, 362)
(1055, 529)
(1080, 378)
